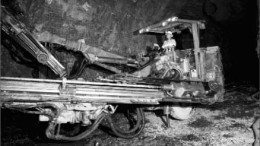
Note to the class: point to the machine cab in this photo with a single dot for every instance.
(206, 64)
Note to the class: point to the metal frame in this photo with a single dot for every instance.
(175, 24)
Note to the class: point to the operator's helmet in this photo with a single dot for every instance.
(168, 32)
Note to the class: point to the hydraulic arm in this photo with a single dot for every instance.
(21, 35)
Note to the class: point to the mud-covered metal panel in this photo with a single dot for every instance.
(212, 62)
(214, 70)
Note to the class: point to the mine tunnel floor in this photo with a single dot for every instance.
(227, 123)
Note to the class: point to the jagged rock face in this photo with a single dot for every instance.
(105, 24)
(109, 24)
(11, 68)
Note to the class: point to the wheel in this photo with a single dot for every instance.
(130, 124)
(181, 112)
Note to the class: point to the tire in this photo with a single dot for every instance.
(181, 112)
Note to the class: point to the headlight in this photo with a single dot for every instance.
(210, 76)
(174, 18)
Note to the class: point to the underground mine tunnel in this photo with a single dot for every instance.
(129, 72)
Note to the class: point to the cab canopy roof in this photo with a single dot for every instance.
(173, 24)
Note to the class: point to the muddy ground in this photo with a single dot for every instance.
(221, 124)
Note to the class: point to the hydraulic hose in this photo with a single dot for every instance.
(81, 68)
(135, 131)
(139, 120)
(80, 136)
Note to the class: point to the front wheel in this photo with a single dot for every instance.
(181, 112)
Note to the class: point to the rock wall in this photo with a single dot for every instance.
(109, 24)
(106, 24)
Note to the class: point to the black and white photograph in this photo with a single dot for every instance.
(130, 73)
